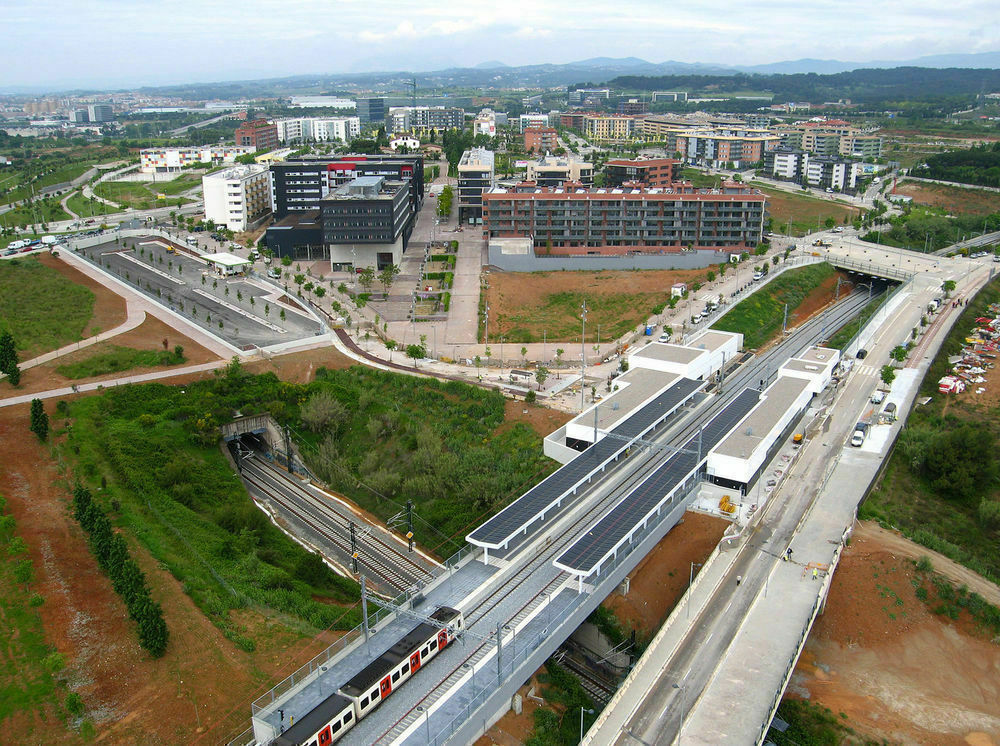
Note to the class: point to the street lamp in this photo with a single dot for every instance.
(583, 710)
(690, 582)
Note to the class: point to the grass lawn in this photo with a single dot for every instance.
(43, 211)
(57, 176)
(939, 487)
(142, 195)
(86, 208)
(28, 664)
(806, 213)
(759, 317)
(119, 359)
(40, 307)
(699, 178)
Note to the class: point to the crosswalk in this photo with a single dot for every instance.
(866, 370)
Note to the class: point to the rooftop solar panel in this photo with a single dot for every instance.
(587, 552)
(523, 511)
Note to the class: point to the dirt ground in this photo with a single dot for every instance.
(662, 577)
(894, 668)
(955, 200)
(149, 335)
(513, 294)
(301, 367)
(655, 585)
(203, 685)
(542, 419)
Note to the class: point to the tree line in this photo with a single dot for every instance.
(978, 165)
(129, 582)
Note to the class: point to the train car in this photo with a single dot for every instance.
(338, 713)
(323, 725)
(411, 652)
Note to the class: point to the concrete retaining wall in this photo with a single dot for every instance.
(537, 263)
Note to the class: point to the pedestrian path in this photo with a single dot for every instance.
(135, 318)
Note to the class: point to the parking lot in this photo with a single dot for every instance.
(246, 312)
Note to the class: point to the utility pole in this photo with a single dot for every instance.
(583, 354)
(409, 523)
(354, 549)
(784, 323)
(288, 451)
(364, 605)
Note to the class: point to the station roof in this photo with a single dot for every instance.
(642, 384)
(603, 538)
(528, 508)
(711, 340)
(669, 353)
(820, 355)
(775, 402)
(225, 259)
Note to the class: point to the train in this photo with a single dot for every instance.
(332, 718)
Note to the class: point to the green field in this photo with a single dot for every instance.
(87, 208)
(40, 307)
(699, 178)
(29, 665)
(57, 176)
(39, 212)
(386, 439)
(940, 487)
(759, 317)
(804, 214)
(119, 359)
(143, 195)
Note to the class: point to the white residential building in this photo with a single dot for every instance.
(533, 120)
(485, 123)
(318, 129)
(239, 197)
(410, 143)
(169, 160)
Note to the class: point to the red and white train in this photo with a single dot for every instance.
(338, 713)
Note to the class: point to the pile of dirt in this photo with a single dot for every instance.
(896, 670)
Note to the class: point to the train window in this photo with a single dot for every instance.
(348, 717)
(406, 668)
(423, 652)
(364, 702)
(374, 695)
(434, 644)
(395, 677)
(336, 726)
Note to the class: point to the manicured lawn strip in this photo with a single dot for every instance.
(119, 359)
(806, 213)
(759, 316)
(87, 208)
(40, 307)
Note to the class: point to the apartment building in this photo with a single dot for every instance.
(367, 222)
(318, 129)
(540, 139)
(578, 221)
(170, 160)
(238, 198)
(299, 184)
(582, 94)
(607, 127)
(672, 96)
(823, 171)
(532, 120)
(424, 118)
(260, 134)
(715, 148)
(633, 107)
(485, 123)
(476, 174)
(100, 113)
(831, 137)
(572, 120)
(554, 171)
(649, 172)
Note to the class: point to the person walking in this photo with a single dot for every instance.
(815, 573)
(739, 579)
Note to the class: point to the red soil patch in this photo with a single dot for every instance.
(540, 418)
(955, 200)
(871, 653)
(203, 685)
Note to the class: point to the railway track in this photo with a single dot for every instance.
(386, 562)
(598, 689)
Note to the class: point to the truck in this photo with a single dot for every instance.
(49, 240)
(860, 431)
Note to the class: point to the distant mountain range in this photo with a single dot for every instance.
(496, 74)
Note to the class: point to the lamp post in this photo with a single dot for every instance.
(583, 354)
(583, 710)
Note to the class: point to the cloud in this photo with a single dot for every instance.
(530, 32)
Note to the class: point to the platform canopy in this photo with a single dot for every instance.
(225, 259)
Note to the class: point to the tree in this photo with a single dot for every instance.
(524, 355)
(8, 358)
(367, 278)
(541, 375)
(888, 375)
(948, 286)
(416, 352)
(391, 345)
(444, 202)
(286, 261)
(898, 352)
(323, 411)
(559, 353)
(39, 419)
(388, 276)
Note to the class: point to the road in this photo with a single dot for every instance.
(199, 125)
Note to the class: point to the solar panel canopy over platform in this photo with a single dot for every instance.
(533, 504)
(586, 554)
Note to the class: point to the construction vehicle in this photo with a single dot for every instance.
(726, 505)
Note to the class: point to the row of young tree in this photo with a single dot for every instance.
(128, 580)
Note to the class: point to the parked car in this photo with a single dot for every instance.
(274, 273)
(665, 337)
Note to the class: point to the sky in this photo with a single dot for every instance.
(127, 43)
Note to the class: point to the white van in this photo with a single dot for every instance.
(191, 241)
